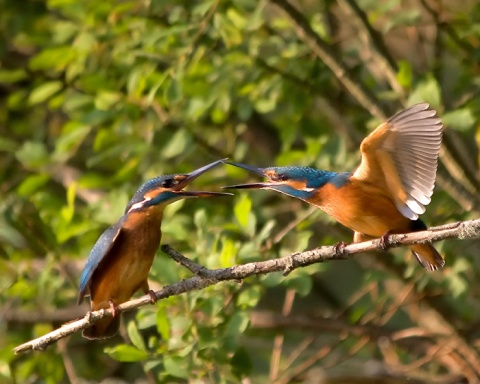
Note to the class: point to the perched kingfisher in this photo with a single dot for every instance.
(386, 193)
(120, 260)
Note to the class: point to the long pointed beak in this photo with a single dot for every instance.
(192, 176)
(251, 168)
(248, 186)
(202, 194)
(258, 171)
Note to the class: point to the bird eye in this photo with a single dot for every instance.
(281, 177)
(169, 183)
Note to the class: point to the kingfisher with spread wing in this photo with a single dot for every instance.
(386, 193)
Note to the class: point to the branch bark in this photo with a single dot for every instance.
(206, 277)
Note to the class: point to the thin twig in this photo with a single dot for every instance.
(67, 362)
(374, 41)
(460, 230)
(278, 342)
(324, 51)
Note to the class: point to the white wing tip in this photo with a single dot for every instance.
(407, 212)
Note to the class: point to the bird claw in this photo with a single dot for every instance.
(153, 296)
(340, 249)
(384, 242)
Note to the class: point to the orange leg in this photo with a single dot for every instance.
(113, 307)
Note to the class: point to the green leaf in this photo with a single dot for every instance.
(163, 325)
(405, 74)
(428, 91)
(301, 283)
(177, 144)
(44, 92)
(135, 336)
(126, 353)
(242, 209)
(106, 100)
(200, 219)
(460, 119)
(68, 211)
(266, 231)
(176, 366)
(173, 91)
(32, 183)
(238, 323)
(229, 251)
(52, 58)
(73, 135)
(12, 76)
(8, 145)
(249, 298)
(32, 154)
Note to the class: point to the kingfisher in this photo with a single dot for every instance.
(120, 260)
(386, 193)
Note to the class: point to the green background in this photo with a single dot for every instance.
(97, 97)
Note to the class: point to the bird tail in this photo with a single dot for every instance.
(428, 256)
(103, 329)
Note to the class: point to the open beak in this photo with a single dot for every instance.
(178, 189)
(258, 171)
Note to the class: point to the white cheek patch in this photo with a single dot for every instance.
(308, 189)
(140, 204)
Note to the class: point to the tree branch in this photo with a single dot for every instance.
(323, 50)
(205, 277)
(374, 42)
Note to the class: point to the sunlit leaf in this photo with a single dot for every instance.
(163, 325)
(126, 353)
(176, 367)
(242, 209)
(44, 92)
(135, 336)
(460, 119)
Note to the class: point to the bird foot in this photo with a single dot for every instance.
(384, 242)
(113, 307)
(153, 296)
(340, 249)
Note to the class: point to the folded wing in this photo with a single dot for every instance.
(98, 253)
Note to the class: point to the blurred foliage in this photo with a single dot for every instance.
(99, 96)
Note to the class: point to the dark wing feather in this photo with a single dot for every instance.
(98, 253)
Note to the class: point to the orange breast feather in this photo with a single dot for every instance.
(126, 268)
(361, 207)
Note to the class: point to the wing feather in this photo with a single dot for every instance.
(98, 253)
(410, 141)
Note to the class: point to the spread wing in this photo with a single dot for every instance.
(402, 155)
(98, 253)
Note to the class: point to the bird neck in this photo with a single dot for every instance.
(148, 218)
(339, 179)
(323, 179)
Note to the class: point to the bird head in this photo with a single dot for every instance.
(164, 190)
(299, 182)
